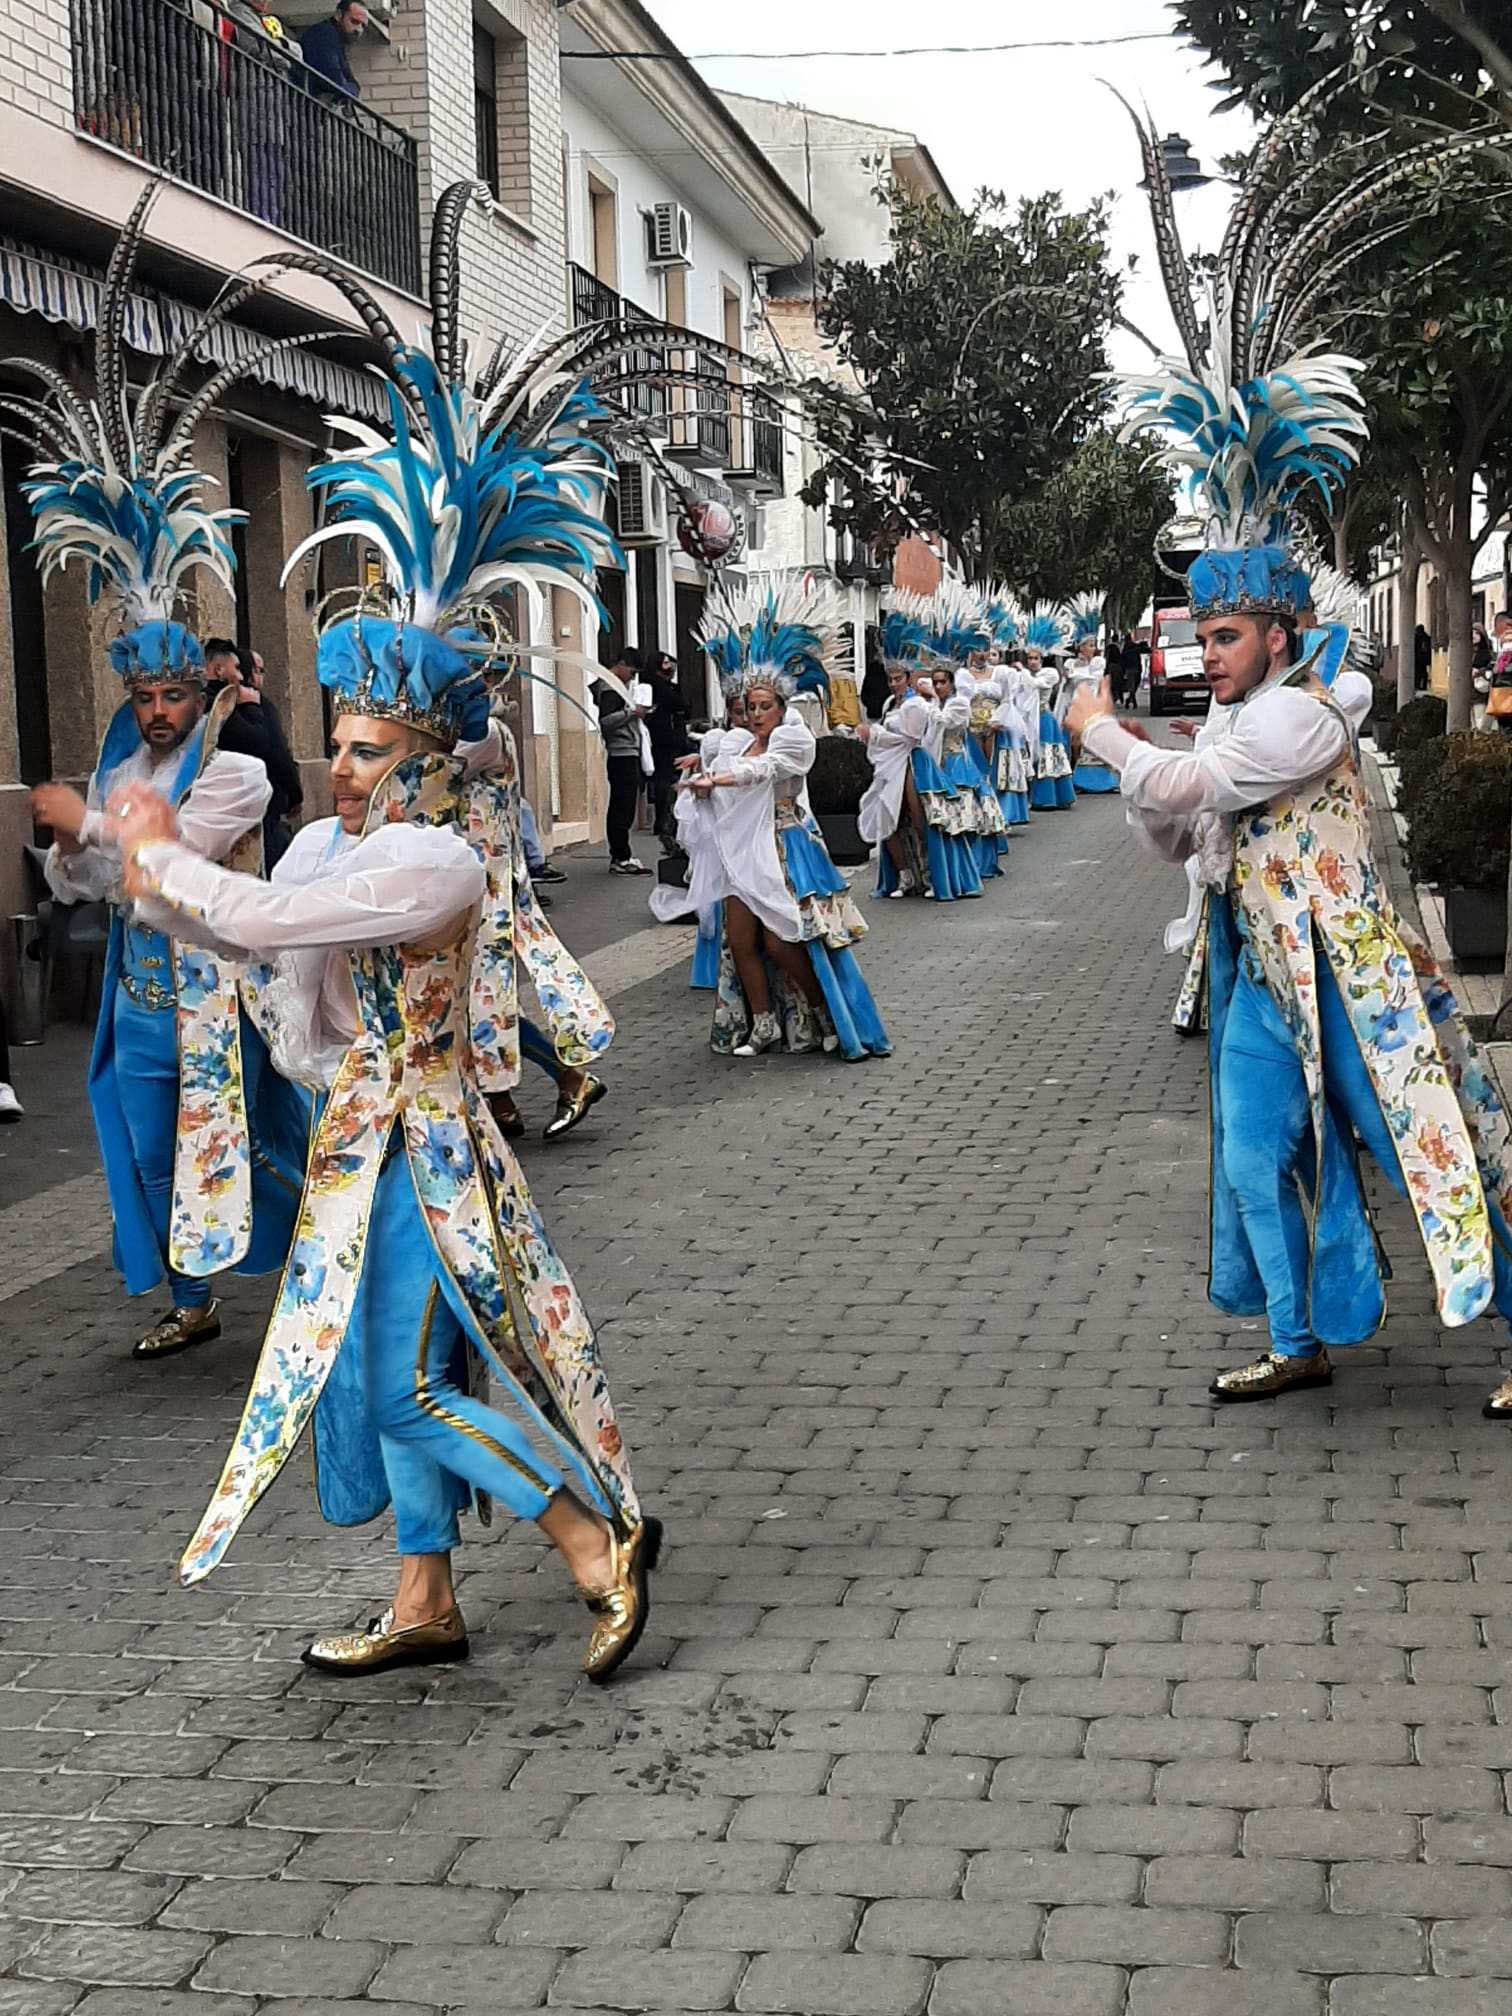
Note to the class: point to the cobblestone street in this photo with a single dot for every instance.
(990, 1674)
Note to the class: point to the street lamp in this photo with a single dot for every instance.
(1183, 169)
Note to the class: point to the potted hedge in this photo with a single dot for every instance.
(836, 785)
(1459, 836)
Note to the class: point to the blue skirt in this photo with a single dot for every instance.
(705, 974)
(953, 868)
(1094, 777)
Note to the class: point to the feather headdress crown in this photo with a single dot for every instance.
(1045, 628)
(905, 629)
(114, 487)
(958, 623)
(1083, 617)
(785, 638)
(1004, 616)
(1252, 413)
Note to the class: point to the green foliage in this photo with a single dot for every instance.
(980, 345)
(1421, 720)
(841, 773)
(1093, 525)
(1269, 51)
(1459, 828)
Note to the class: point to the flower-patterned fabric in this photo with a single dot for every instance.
(412, 1066)
(1303, 874)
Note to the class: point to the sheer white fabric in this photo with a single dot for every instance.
(890, 746)
(400, 885)
(227, 799)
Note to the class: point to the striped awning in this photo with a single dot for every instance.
(66, 291)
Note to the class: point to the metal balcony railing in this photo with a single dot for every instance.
(212, 100)
(764, 427)
(593, 300)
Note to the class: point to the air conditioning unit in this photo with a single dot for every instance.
(642, 505)
(669, 235)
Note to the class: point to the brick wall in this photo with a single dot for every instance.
(36, 59)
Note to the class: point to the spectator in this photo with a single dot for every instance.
(324, 48)
(1422, 657)
(254, 729)
(667, 724)
(537, 866)
(1131, 667)
(620, 725)
(1482, 652)
(1501, 672)
(10, 1106)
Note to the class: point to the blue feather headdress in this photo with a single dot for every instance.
(462, 501)
(785, 638)
(905, 629)
(1004, 616)
(958, 624)
(1045, 628)
(1083, 617)
(113, 488)
(1253, 414)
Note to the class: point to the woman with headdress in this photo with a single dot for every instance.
(1003, 740)
(787, 974)
(916, 820)
(1044, 635)
(959, 635)
(1087, 667)
(377, 958)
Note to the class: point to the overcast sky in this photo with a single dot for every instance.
(1021, 122)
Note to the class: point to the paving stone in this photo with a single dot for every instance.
(844, 1985)
(833, 1869)
(1128, 1936)
(1151, 1830)
(128, 1956)
(574, 1918)
(1237, 1883)
(991, 1988)
(1413, 1789)
(1399, 1995)
(1420, 1890)
(252, 1904)
(1331, 1837)
(89, 1896)
(280, 1966)
(214, 1851)
(745, 1868)
(801, 1821)
(1220, 1991)
(604, 1977)
(1310, 1943)
(480, 1977)
(771, 1924)
(1040, 1876)
(415, 1914)
(1472, 1946)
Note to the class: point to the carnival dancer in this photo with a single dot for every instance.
(958, 633)
(382, 949)
(116, 493)
(1044, 635)
(1087, 667)
(787, 973)
(914, 818)
(1327, 1018)
(578, 1025)
(1006, 744)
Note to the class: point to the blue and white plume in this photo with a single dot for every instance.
(1083, 617)
(905, 629)
(787, 638)
(1045, 628)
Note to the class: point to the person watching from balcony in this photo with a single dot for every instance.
(325, 49)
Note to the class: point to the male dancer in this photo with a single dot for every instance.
(159, 738)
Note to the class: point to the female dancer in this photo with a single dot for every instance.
(786, 971)
(1086, 668)
(1052, 789)
(916, 819)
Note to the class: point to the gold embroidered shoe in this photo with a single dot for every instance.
(621, 1610)
(571, 1106)
(179, 1329)
(1499, 1406)
(437, 1643)
(1271, 1375)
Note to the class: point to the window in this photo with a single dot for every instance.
(486, 106)
(603, 225)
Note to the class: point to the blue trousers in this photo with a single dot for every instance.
(411, 1348)
(530, 839)
(1267, 1141)
(147, 1076)
(536, 1045)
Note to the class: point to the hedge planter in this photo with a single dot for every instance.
(842, 836)
(1476, 923)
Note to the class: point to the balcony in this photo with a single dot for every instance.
(708, 419)
(215, 103)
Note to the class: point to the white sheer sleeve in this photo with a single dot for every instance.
(1280, 740)
(227, 799)
(400, 884)
(789, 753)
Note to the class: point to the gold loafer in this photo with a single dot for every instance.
(621, 1610)
(438, 1643)
(1499, 1406)
(571, 1107)
(1270, 1375)
(178, 1331)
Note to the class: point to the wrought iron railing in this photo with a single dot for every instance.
(594, 300)
(215, 102)
(764, 424)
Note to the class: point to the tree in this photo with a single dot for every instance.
(980, 347)
(1092, 526)
(1430, 309)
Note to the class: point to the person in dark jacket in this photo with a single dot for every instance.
(619, 725)
(254, 729)
(1131, 666)
(667, 725)
(324, 48)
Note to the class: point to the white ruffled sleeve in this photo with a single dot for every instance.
(1280, 740)
(400, 884)
(789, 753)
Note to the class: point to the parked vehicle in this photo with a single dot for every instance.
(1176, 675)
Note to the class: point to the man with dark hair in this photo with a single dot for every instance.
(620, 725)
(324, 48)
(667, 726)
(254, 729)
